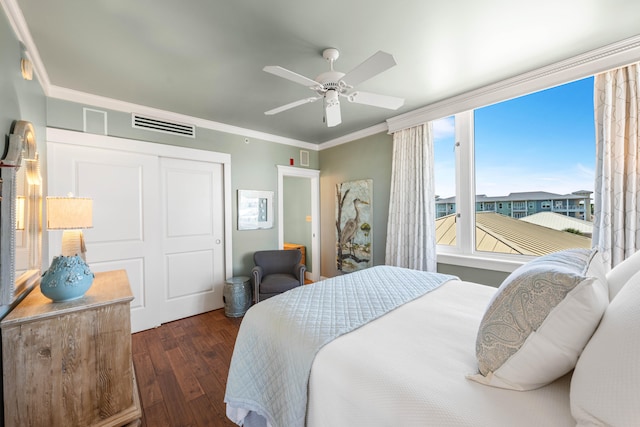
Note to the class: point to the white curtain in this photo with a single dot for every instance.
(616, 230)
(411, 228)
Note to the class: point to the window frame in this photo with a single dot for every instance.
(464, 252)
(596, 61)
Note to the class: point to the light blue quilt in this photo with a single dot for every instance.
(279, 337)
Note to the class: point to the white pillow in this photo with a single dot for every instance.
(540, 319)
(621, 273)
(605, 387)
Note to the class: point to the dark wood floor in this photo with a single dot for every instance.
(182, 368)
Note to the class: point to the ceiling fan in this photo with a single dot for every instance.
(331, 85)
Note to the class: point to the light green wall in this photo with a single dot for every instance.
(297, 207)
(20, 99)
(366, 158)
(253, 166)
(477, 275)
(371, 157)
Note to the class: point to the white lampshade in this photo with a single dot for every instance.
(69, 213)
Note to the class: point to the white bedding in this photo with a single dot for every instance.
(279, 338)
(408, 368)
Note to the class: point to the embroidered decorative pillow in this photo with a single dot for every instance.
(540, 319)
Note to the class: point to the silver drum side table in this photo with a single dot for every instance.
(237, 296)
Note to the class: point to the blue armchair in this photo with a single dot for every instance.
(276, 271)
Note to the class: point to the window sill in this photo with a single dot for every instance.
(494, 263)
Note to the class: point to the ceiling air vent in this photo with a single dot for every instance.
(165, 126)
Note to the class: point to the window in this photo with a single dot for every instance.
(542, 143)
(445, 180)
(526, 151)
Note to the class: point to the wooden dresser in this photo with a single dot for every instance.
(69, 363)
(301, 248)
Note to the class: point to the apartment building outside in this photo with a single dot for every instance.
(522, 204)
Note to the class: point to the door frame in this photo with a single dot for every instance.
(314, 176)
(160, 150)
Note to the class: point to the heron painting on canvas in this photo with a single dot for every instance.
(354, 225)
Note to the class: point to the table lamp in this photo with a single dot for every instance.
(71, 214)
(69, 276)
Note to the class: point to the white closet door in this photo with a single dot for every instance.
(192, 197)
(125, 192)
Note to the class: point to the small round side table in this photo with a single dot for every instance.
(237, 296)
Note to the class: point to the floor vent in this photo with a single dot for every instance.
(159, 125)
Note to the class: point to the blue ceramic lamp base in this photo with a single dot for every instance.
(68, 278)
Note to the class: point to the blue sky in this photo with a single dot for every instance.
(540, 142)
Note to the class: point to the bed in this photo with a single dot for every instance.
(419, 363)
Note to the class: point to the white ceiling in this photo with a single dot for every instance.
(204, 58)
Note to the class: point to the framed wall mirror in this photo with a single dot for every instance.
(20, 213)
(255, 209)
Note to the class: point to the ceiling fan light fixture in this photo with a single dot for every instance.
(332, 115)
(331, 98)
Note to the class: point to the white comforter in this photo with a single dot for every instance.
(279, 338)
(408, 368)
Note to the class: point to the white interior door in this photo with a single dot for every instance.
(125, 192)
(162, 213)
(192, 237)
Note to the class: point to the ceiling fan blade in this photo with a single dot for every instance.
(376, 64)
(332, 115)
(376, 100)
(291, 105)
(294, 77)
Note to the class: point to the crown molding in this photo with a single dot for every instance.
(375, 129)
(128, 107)
(21, 30)
(587, 64)
(580, 66)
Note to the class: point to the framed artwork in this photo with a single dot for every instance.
(354, 225)
(255, 209)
